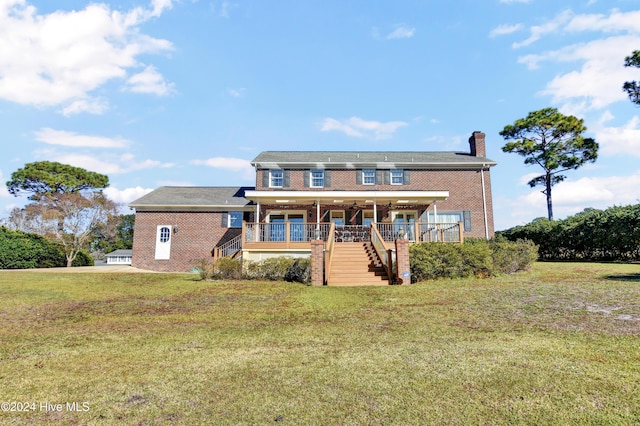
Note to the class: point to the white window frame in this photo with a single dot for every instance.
(316, 178)
(369, 176)
(230, 219)
(397, 177)
(273, 178)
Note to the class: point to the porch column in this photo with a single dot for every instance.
(375, 211)
(318, 213)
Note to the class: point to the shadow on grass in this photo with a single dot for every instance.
(623, 277)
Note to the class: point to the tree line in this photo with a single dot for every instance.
(612, 234)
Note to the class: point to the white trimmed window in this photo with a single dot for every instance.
(317, 179)
(397, 177)
(369, 177)
(276, 178)
(234, 220)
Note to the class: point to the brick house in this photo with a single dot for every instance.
(347, 207)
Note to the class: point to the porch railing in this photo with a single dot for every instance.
(422, 232)
(229, 248)
(296, 234)
(285, 232)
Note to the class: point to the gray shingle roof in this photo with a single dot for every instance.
(121, 252)
(419, 158)
(194, 196)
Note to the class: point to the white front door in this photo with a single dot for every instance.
(163, 242)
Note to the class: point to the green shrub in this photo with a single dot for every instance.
(438, 260)
(227, 268)
(83, 258)
(509, 257)
(300, 271)
(272, 268)
(476, 257)
(21, 250)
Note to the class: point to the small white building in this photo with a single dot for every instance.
(119, 257)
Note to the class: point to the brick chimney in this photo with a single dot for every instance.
(476, 143)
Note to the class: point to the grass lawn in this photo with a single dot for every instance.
(557, 345)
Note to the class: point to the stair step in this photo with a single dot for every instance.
(355, 264)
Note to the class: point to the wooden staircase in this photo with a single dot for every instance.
(356, 264)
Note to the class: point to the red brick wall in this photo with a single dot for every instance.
(198, 233)
(464, 186)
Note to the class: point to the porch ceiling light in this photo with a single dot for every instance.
(338, 201)
(285, 201)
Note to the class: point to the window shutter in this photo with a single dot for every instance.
(246, 216)
(406, 177)
(466, 214)
(225, 220)
(387, 177)
(307, 176)
(327, 179)
(358, 176)
(285, 178)
(378, 177)
(265, 178)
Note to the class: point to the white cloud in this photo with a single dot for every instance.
(108, 165)
(571, 197)
(63, 138)
(92, 106)
(237, 165)
(126, 195)
(149, 81)
(236, 93)
(401, 32)
(623, 140)
(4, 193)
(599, 82)
(357, 127)
(224, 10)
(60, 58)
(552, 26)
(505, 29)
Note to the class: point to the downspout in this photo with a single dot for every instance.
(484, 204)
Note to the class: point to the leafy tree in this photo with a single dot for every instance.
(115, 234)
(49, 178)
(68, 218)
(632, 87)
(554, 142)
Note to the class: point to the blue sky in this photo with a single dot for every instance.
(188, 92)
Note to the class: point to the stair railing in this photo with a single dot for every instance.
(385, 255)
(328, 251)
